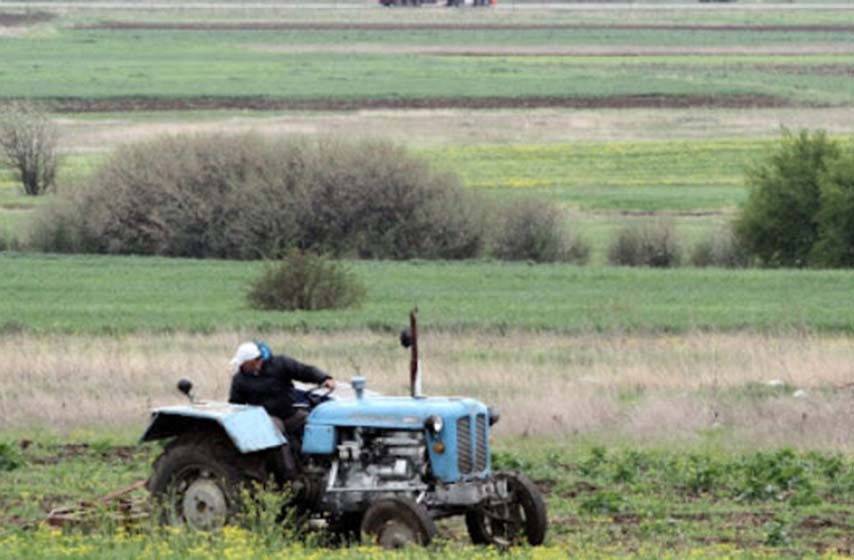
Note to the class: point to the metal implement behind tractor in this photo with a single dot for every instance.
(377, 467)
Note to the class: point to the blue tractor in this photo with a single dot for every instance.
(370, 467)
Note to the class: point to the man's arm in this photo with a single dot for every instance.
(303, 372)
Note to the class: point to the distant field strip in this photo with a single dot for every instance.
(451, 26)
(122, 294)
(615, 175)
(157, 69)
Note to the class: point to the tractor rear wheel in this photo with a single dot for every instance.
(197, 484)
(517, 517)
(398, 522)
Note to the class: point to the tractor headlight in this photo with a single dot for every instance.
(434, 424)
(494, 416)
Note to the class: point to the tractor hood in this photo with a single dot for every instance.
(405, 413)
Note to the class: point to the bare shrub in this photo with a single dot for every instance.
(308, 282)
(721, 249)
(532, 229)
(648, 244)
(28, 141)
(375, 200)
(248, 197)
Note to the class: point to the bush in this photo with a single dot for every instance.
(535, 230)
(308, 282)
(247, 197)
(28, 146)
(649, 244)
(721, 249)
(835, 244)
(778, 224)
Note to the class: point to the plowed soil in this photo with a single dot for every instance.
(443, 26)
(123, 104)
(14, 19)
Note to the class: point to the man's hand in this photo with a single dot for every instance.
(329, 384)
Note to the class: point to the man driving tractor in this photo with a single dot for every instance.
(262, 379)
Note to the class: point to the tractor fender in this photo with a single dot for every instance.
(248, 427)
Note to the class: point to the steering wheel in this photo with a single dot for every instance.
(317, 395)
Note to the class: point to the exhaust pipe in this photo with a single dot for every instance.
(409, 339)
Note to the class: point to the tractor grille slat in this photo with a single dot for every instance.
(464, 463)
(480, 443)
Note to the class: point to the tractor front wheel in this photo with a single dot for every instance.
(397, 523)
(517, 515)
(195, 485)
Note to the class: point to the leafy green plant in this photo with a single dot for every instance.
(780, 475)
(778, 532)
(303, 281)
(603, 502)
(702, 474)
(506, 461)
(10, 456)
(595, 463)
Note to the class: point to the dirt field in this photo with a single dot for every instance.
(448, 26)
(554, 51)
(128, 104)
(14, 19)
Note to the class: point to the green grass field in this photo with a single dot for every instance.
(121, 294)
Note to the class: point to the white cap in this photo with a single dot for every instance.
(245, 352)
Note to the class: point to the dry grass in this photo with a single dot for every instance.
(650, 390)
(448, 126)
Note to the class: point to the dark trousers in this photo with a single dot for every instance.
(292, 427)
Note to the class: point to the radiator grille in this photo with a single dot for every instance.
(464, 445)
(480, 443)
